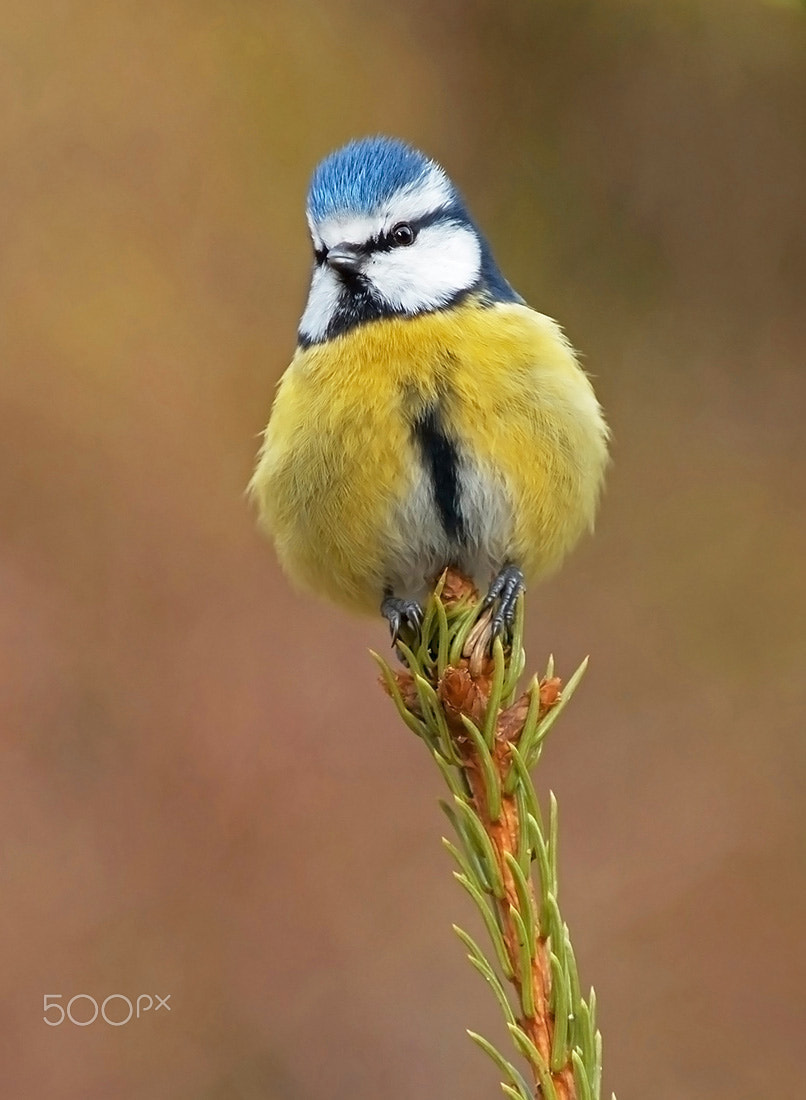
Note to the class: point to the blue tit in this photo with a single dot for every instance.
(429, 417)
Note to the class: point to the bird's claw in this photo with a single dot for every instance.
(400, 613)
(505, 589)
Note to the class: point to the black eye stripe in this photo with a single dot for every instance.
(443, 214)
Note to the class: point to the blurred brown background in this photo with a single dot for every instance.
(203, 791)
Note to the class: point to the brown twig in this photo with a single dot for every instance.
(464, 689)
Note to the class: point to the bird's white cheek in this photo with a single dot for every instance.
(323, 299)
(442, 262)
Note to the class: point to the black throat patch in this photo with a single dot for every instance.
(358, 303)
(441, 460)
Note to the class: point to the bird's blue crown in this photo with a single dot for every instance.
(363, 175)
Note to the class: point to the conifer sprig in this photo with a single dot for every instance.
(460, 699)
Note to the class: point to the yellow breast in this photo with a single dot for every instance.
(341, 484)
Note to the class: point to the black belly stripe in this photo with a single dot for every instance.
(441, 459)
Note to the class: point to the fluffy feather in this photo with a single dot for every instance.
(342, 489)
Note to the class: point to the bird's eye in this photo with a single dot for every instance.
(403, 234)
(320, 254)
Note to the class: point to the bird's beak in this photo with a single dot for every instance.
(347, 259)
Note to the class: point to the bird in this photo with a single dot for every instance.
(429, 417)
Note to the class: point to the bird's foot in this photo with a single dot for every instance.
(505, 589)
(400, 613)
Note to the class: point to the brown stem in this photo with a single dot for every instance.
(505, 834)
